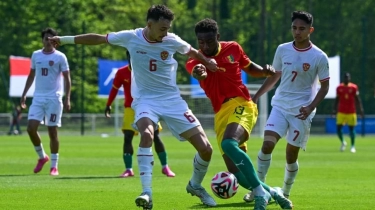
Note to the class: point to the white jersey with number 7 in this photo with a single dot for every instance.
(300, 71)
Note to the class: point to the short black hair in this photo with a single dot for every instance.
(128, 58)
(305, 16)
(207, 25)
(51, 31)
(159, 11)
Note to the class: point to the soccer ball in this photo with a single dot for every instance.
(224, 185)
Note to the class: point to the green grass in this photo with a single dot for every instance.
(89, 167)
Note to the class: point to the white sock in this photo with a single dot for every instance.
(264, 162)
(259, 191)
(200, 169)
(40, 151)
(291, 171)
(145, 163)
(54, 160)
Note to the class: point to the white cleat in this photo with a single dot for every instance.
(202, 194)
(144, 201)
(249, 197)
(343, 146)
(352, 150)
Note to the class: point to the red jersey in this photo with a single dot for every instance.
(226, 82)
(347, 98)
(122, 78)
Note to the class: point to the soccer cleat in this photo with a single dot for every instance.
(168, 172)
(343, 146)
(202, 194)
(261, 202)
(280, 199)
(352, 150)
(144, 201)
(249, 197)
(127, 173)
(40, 164)
(54, 172)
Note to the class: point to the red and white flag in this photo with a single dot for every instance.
(19, 71)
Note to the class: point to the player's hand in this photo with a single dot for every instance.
(55, 41)
(107, 111)
(304, 111)
(211, 64)
(23, 102)
(199, 72)
(67, 105)
(268, 70)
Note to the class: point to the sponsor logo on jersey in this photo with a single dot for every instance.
(306, 66)
(51, 63)
(164, 55)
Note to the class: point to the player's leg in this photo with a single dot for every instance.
(276, 127)
(53, 121)
(298, 134)
(35, 116)
(145, 122)
(128, 150)
(340, 120)
(162, 154)
(352, 122)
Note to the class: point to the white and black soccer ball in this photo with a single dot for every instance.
(224, 185)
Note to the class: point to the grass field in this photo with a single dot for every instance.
(89, 167)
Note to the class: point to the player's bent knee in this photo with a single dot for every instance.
(269, 144)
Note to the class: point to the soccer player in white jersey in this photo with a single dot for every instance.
(156, 95)
(48, 65)
(299, 64)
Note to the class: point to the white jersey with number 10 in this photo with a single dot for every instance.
(152, 62)
(300, 71)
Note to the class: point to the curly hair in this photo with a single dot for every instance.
(159, 11)
(51, 31)
(305, 16)
(206, 25)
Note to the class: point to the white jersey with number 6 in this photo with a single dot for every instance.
(152, 62)
(300, 71)
(48, 69)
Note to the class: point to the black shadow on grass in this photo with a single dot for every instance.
(224, 206)
(89, 177)
(10, 175)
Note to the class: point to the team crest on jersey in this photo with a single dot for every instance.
(164, 55)
(230, 58)
(306, 66)
(51, 63)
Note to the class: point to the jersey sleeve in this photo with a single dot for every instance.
(182, 46)
(64, 65)
(190, 63)
(244, 59)
(277, 63)
(323, 68)
(33, 61)
(120, 38)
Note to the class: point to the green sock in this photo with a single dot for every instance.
(128, 160)
(339, 133)
(242, 161)
(242, 180)
(163, 158)
(352, 136)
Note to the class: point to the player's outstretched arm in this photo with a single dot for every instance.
(210, 63)
(85, 39)
(257, 71)
(266, 86)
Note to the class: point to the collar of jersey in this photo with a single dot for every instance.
(302, 50)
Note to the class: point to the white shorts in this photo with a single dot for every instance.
(297, 131)
(48, 110)
(176, 114)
